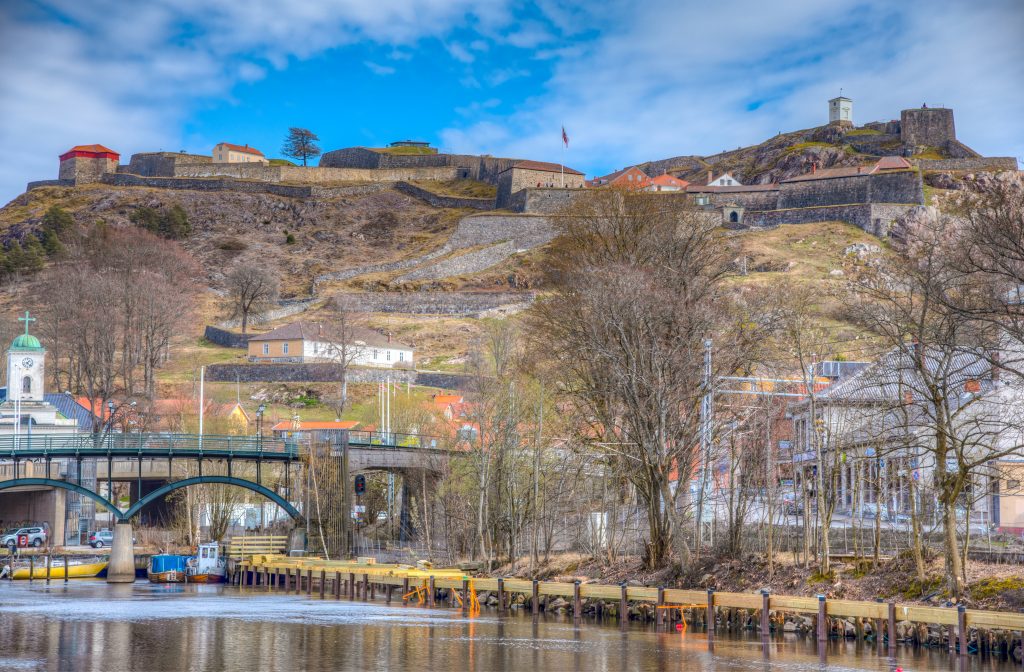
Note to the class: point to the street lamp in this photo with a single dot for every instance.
(259, 425)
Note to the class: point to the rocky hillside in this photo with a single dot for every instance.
(298, 237)
(787, 155)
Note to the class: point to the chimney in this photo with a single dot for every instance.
(814, 167)
(995, 367)
(710, 175)
(389, 337)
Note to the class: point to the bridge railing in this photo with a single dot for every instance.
(392, 440)
(121, 443)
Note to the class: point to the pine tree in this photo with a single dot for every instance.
(35, 255)
(174, 223)
(15, 257)
(51, 243)
(57, 220)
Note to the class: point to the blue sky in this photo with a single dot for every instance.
(631, 81)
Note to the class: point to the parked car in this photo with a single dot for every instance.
(101, 538)
(36, 537)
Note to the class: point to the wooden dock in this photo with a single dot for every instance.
(966, 630)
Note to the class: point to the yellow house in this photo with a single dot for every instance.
(225, 152)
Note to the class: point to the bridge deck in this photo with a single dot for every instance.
(206, 446)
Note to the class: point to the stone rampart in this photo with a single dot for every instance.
(225, 338)
(986, 163)
(311, 174)
(751, 200)
(463, 264)
(245, 186)
(435, 303)
(927, 126)
(325, 372)
(525, 231)
(483, 168)
(49, 183)
(440, 201)
(544, 200)
(386, 267)
(872, 218)
(160, 164)
(899, 187)
(812, 193)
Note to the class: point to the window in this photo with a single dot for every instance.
(266, 348)
(284, 348)
(374, 354)
(388, 355)
(1013, 485)
(401, 355)
(734, 216)
(26, 385)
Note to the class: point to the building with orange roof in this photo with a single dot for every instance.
(225, 152)
(87, 163)
(666, 182)
(631, 178)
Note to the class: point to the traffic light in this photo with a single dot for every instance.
(360, 484)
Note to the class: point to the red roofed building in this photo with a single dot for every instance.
(87, 163)
(631, 178)
(225, 152)
(666, 182)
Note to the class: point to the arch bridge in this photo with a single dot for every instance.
(74, 462)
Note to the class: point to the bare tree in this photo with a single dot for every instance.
(300, 143)
(251, 290)
(638, 289)
(340, 346)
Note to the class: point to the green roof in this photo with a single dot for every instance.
(26, 342)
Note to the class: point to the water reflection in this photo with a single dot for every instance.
(93, 626)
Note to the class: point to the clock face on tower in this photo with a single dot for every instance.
(27, 362)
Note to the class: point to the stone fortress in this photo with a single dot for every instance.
(887, 181)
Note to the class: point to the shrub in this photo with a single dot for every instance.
(57, 220)
(172, 223)
(289, 239)
(232, 244)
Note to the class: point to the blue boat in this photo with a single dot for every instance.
(167, 568)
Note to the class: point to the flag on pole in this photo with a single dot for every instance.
(565, 137)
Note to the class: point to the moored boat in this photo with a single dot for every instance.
(206, 566)
(75, 570)
(166, 568)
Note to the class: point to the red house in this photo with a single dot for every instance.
(86, 163)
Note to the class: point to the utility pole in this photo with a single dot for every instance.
(706, 419)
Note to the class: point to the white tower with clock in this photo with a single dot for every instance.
(25, 367)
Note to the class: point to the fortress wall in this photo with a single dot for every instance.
(900, 187)
(986, 163)
(834, 191)
(872, 218)
(49, 183)
(483, 168)
(931, 127)
(751, 200)
(160, 164)
(544, 200)
(311, 174)
(463, 264)
(524, 230)
(439, 201)
(206, 184)
(878, 145)
(433, 303)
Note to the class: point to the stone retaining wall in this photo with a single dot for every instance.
(225, 338)
(985, 163)
(463, 264)
(245, 186)
(49, 183)
(325, 372)
(311, 174)
(439, 201)
(873, 218)
(435, 303)
(286, 310)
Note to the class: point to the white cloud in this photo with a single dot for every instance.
(674, 78)
(128, 74)
(378, 69)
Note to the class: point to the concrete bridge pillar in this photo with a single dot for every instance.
(122, 555)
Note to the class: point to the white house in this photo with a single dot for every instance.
(315, 342)
(723, 180)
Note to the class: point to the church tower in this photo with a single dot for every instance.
(25, 367)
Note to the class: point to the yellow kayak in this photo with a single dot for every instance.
(85, 570)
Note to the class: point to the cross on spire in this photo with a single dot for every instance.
(26, 320)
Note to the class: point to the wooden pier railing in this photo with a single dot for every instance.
(363, 580)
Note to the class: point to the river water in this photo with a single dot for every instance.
(89, 625)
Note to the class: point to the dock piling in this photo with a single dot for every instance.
(577, 603)
(465, 595)
(501, 595)
(366, 585)
(765, 620)
(623, 605)
(323, 582)
(66, 569)
(432, 591)
(49, 564)
(536, 598)
(961, 619)
(711, 611)
(822, 620)
(405, 590)
(337, 585)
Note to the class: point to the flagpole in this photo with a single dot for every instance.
(561, 166)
